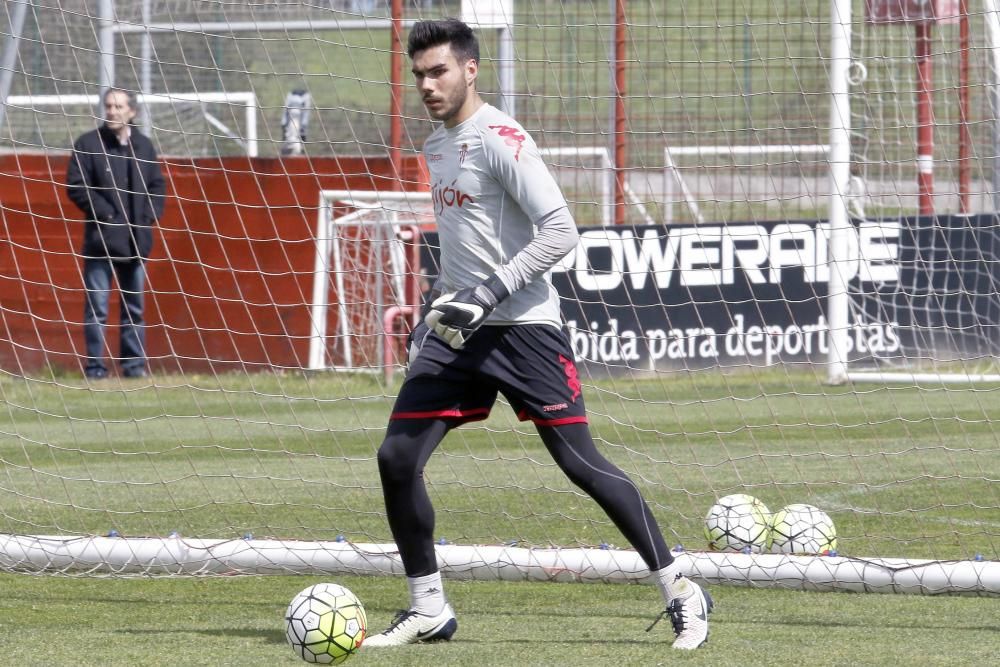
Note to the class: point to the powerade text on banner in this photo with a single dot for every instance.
(697, 296)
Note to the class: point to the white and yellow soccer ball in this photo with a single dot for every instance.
(738, 522)
(802, 529)
(325, 624)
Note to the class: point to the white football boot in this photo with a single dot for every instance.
(688, 612)
(409, 627)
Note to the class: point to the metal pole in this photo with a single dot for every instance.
(105, 46)
(964, 134)
(925, 119)
(396, 95)
(10, 48)
(200, 28)
(840, 177)
(991, 20)
(611, 178)
(505, 65)
(145, 69)
(621, 145)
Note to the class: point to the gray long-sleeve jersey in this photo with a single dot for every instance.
(498, 210)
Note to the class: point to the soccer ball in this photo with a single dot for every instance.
(802, 529)
(736, 523)
(325, 623)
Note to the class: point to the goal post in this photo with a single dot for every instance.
(175, 556)
(570, 161)
(368, 256)
(743, 176)
(941, 302)
(172, 118)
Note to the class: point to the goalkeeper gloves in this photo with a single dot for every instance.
(455, 317)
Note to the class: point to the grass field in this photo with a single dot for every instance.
(238, 621)
(903, 471)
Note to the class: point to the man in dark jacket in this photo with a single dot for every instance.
(114, 178)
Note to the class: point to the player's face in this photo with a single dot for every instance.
(444, 84)
(117, 112)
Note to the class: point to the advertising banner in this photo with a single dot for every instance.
(707, 295)
(698, 296)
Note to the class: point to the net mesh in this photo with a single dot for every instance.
(723, 184)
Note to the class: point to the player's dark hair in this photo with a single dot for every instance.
(428, 34)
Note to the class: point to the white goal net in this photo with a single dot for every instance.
(776, 201)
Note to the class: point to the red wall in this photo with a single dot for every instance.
(230, 278)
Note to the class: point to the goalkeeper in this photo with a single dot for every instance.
(494, 325)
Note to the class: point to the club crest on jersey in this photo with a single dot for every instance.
(446, 196)
(511, 136)
(462, 153)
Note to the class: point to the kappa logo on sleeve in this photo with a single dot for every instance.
(512, 136)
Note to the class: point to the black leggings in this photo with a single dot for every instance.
(409, 443)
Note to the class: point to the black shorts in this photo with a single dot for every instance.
(530, 364)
